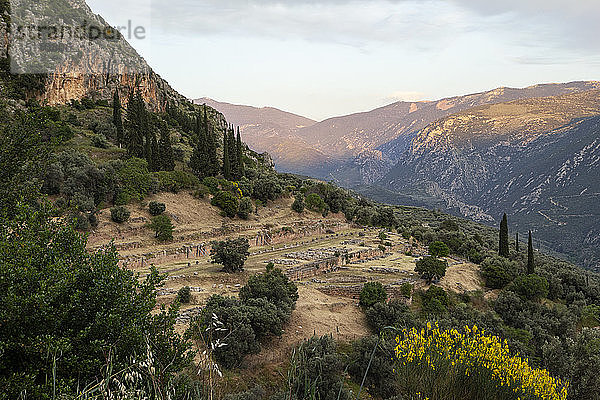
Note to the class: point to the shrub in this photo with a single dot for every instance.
(470, 365)
(498, 271)
(212, 184)
(530, 287)
(273, 286)
(245, 208)
(227, 202)
(201, 192)
(438, 249)
(231, 253)
(100, 142)
(406, 289)
(184, 295)
(176, 181)
(379, 356)
(79, 221)
(372, 293)
(395, 313)
(298, 204)
(317, 371)
(226, 323)
(315, 203)
(156, 208)
(434, 300)
(134, 180)
(267, 187)
(449, 225)
(266, 319)
(430, 268)
(119, 214)
(162, 227)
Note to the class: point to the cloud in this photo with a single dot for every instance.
(567, 24)
(350, 22)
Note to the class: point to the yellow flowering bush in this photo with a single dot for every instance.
(469, 364)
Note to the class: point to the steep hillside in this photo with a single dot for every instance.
(274, 131)
(83, 68)
(516, 157)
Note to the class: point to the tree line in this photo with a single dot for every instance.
(145, 135)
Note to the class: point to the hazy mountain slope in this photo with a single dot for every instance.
(274, 131)
(514, 157)
(370, 143)
(362, 147)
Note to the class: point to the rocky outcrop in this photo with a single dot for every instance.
(75, 67)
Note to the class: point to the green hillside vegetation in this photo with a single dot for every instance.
(75, 325)
(549, 317)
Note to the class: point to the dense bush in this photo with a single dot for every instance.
(227, 202)
(100, 141)
(438, 249)
(234, 337)
(176, 181)
(212, 184)
(378, 354)
(434, 301)
(394, 313)
(184, 295)
(372, 293)
(119, 214)
(245, 208)
(134, 181)
(298, 204)
(317, 371)
(231, 253)
(201, 192)
(531, 287)
(267, 187)
(68, 314)
(498, 271)
(237, 326)
(156, 208)
(162, 227)
(314, 202)
(273, 286)
(430, 268)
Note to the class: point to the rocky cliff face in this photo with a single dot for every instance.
(75, 68)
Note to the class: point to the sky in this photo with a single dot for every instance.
(327, 58)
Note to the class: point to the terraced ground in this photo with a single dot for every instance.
(328, 258)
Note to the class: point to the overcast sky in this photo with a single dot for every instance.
(333, 57)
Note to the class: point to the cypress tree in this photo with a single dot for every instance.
(118, 117)
(199, 162)
(226, 163)
(503, 245)
(155, 164)
(211, 147)
(165, 150)
(135, 125)
(240, 156)
(232, 154)
(530, 261)
(517, 248)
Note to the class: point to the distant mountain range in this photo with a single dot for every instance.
(532, 152)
